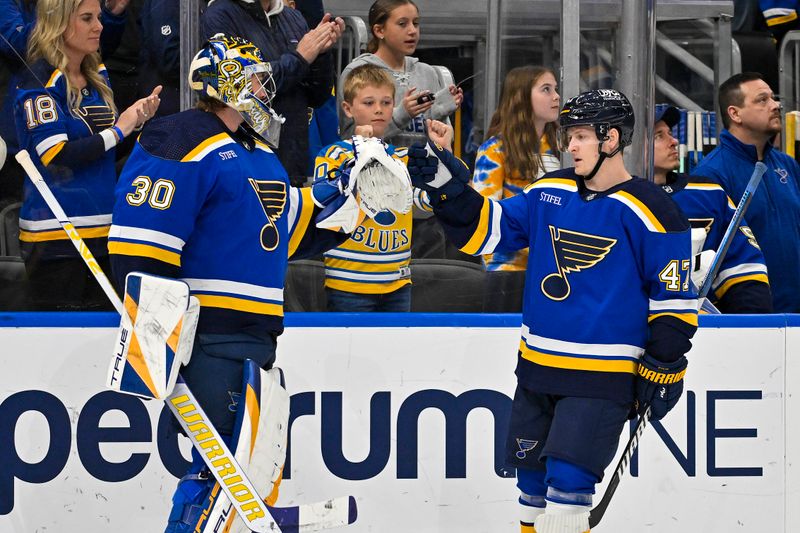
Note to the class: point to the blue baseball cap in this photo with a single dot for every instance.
(670, 115)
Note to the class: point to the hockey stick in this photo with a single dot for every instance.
(736, 220)
(596, 514)
(599, 510)
(231, 477)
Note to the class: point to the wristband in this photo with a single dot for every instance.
(120, 136)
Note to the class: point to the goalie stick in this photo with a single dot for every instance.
(597, 512)
(238, 488)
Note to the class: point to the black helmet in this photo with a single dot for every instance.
(602, 108)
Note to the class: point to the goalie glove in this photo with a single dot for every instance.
(659, 385)
(378, 180)
(437, 171)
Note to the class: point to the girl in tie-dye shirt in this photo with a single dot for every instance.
(520, 147)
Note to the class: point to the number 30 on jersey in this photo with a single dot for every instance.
(158, 194)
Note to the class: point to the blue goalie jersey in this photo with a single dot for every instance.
(608, 277)
(215, 209)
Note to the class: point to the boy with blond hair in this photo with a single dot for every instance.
(370, 271)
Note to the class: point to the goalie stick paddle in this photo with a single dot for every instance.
(250, 507)
(758, 172)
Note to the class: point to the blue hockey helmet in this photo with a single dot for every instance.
(602, 108)
(233, 71)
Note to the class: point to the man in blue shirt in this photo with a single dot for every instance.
(751, 117)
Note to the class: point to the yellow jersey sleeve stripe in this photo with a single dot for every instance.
(50, 154)
(549, 182)
(689, 318)
(204, 145)
(144, 250)
(641, 210)
(722, 289)
(781, 20)
(703, 186)
(481, 232)
(240, 304)
(59, 234)
(577, 363)
(303, 220)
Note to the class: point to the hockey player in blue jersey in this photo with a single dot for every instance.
(741, 285)
(608, 310)
(204, 198)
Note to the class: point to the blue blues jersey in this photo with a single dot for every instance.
(741, 284)
(66, 147)
(607, 278)
(215, 209)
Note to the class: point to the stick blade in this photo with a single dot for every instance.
(336, 512)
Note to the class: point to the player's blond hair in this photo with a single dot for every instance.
(47, 42)
(366, 76)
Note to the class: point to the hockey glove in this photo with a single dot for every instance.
(659, 385)
(437, 171)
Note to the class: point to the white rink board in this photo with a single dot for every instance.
(742, 478)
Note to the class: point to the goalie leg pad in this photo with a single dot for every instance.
(259, 445)
(260, 438)
(155, 336)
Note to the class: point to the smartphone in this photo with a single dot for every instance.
(425, 97)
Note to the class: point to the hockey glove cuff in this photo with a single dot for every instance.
(437, 171)
(659, 385)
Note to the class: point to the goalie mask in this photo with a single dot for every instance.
(232, 71)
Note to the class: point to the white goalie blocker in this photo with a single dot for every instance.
(155, 336)
(375, 182)
(259, 443)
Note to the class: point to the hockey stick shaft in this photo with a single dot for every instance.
(733, 226)
(599, 510)
(248, 504)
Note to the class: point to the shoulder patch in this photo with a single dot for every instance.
(652, 205)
